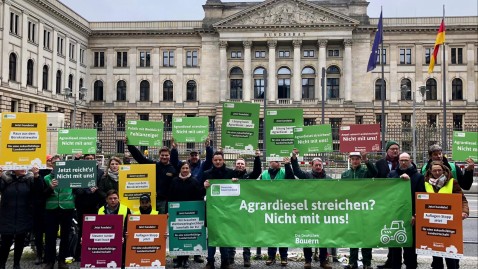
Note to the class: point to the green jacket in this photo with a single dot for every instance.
(368, 171)
(59, 198)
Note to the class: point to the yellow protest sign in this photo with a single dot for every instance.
(23, 140)
(134, 181)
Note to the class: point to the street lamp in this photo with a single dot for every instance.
(68, 93)
(422, 90)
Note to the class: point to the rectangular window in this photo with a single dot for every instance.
(335, 124)
(46, 39)
(120, 146)
(384, 56)
(14, 20)
(432, 120)
(308, 53)
(14, 106)
(31, 32)
(457, 55)
(428, 53)
(144, 58)
(121, 59)
(458, 122)
(167, 119)
(59, 45)
(72, 52)
(120, 121)
(99, 59)
(192, 58)
(260, 54)
(284, 53)
(378, 119)
(144, 116)
(333, 88)
(168, 58)
(405, 56)
(309, 121)
(334, 53)
(407, 119)
(236, 54)
(358, 119)
(47, 108)
(82, 56)
(98, 121)
(259, 86)
(32, 107)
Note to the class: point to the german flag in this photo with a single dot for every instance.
(440, 40)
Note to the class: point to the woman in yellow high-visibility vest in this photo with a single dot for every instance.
(438, 179)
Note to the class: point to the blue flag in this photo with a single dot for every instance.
(372, 61)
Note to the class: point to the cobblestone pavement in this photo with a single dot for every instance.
(295, 261)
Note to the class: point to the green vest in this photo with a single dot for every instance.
(448, 188)
(61, 198)
(452, 165)
(123, 210)
(280, 175)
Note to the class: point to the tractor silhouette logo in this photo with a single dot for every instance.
(396, 232)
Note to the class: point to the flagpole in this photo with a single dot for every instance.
(444, 140)
(382, 88)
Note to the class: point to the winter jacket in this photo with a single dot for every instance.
(256, 171)
(106, 183)
(17, 200)
(367, 171)
(417, 181)
(188, 189)
(306, 175)
(198, 168)
(465, 180)
(63, 198)
(85, 200)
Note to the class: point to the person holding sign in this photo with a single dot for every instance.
(439, 179)
(317, 173)
(18, 189)
(406, 170)
(109, 180)
(114, 207)
(196, 165)
(357, 170)
(185, 187)
(435, 153)
(145, 206)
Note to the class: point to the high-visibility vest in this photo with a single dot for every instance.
(123, 210)
(61, 197)
(280, 175)
(452, 165)
(448, 188)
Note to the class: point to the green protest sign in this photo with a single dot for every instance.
(240, 127)
(75, 174)
(144, 133)
(187, 233)
(465, 145)
(72, 141)
(190, 129)
(280, 132)
(313, 139)
(347, 213)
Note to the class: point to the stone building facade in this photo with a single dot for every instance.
(272, 51)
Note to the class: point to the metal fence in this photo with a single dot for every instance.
(111, 142)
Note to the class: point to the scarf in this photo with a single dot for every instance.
(186, 177)
(394, 162)
(113, 175)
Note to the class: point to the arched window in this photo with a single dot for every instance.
(406, 89)
(80, 83)
(259, 82)
(333, 82)
(12, 67)
(44, 85)
(457, 89)
(58, 82)
(283, 83)
(70, 83)
(431, 89)
(191, 90)
(98, 90)
(30, 72)
(378, 89)
(144, 90)
(121, 90)
(168, 91)
(236, 76)
(308, 83)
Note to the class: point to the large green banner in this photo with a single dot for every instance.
(307, 213)
(280, 132)
(240, 127)
(190, 129)
(313, 139)
(144, 133)
(465, 145)
(72, 141)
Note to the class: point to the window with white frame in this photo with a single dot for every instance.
(236, 54)
(284, 53)
(72, 51)
(308, 53)
(99, 60)
(121, 59)
(260, 54)
(191, 58)
(333, 53)
(14, 23)
(457, 55)
(32, 31)
(82, 55)
(47, 39)
(168, 58)
(144, 58)
(428, 54)
(384, 56)
(59, 45)
(405, 56)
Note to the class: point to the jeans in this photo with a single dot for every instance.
(366, 255)
(211, 251)
(322, 254)
(437, 263)
(161, 206)
(53, 219)
(271, 252)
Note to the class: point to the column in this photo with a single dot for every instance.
(132, 88)
(271, 73)
(296, 73)
(178, 86)
(247, 82)
(469, 86)
(322, 44)
(5, 55)
(348, 69)
(223, 89)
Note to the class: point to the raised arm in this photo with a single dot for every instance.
(138, 156)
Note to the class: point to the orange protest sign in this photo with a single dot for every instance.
(439, 227)
(146, 242)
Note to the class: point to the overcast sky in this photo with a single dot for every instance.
(148, 10)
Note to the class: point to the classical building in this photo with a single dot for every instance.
(272, 51)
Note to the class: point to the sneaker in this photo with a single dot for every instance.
(198, 259)
(325, 264)
(209, 265)
(307, 265)
(283, 262)
(247, 263)
(186, 264)
(62, 265)
(270, 261)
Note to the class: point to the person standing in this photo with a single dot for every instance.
(357, 170)
(145, 207)
(196, 165)
(109, 180)
(407, 171)
(18, 189)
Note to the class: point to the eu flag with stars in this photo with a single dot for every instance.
(372, 61)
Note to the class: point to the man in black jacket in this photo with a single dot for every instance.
(407, 171)
(165, 173)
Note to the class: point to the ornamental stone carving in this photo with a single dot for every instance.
(247, 44)
(297, 43)
(223, 44)
(348, 42)
(272, 43)
(322, 43)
